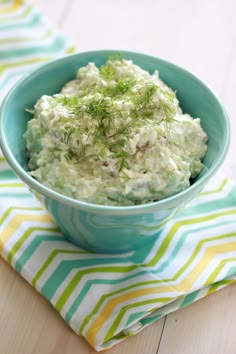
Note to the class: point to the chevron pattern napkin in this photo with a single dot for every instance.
(106, 298)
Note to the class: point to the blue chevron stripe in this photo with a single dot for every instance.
(31, 22)
(66, 266)
(57, 45)
(32, 247)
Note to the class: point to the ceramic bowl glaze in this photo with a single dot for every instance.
(108, 228)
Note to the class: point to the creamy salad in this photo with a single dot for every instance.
(114, 135)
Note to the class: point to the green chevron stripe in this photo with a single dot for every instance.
(71, 50)
(75, 280)
(218, 285)
(50, 260)
(218, 269)
(177, 225)
(90, 283)
(24, 237)
(9, 75)
(188, 299)
(218, 190)
(13, 208)
(152, 282)
(164, 265)
(182, 239)
(90, 268)
(66, 266)
(196, 252)
(135, 305)
(169, 260)
(100, 302)
(33, 246)
(2, 2)
(51, 285)
(119, 337)
(63, 298)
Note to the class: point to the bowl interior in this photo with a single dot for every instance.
(195, 99)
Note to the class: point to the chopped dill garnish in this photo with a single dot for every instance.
(98, 117)
(97, 107)
(122, 161)
(68, 101)
(125, 176)
(68, 133)
(142, 99)
(116, 57)
(107, 71)
(123, 86)
(167, 110)
(69, 155)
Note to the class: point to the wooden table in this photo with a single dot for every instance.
(200, 36)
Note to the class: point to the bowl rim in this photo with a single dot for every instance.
(161, 204)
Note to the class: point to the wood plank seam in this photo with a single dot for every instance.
(163, 328)
(68, 5)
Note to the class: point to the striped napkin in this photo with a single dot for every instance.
(106, 298)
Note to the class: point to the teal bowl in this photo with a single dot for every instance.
(109, 228)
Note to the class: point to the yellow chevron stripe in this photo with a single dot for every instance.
(109, 308)
(15, 6)
(180, 223)
(7, 66)
(38, 196)
(47, 34)
(12, 185)
(183, 287)
(23, 15)
(15, 223)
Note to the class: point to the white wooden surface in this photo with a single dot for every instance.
(199, 35)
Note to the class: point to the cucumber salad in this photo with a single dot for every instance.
(114, 135)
